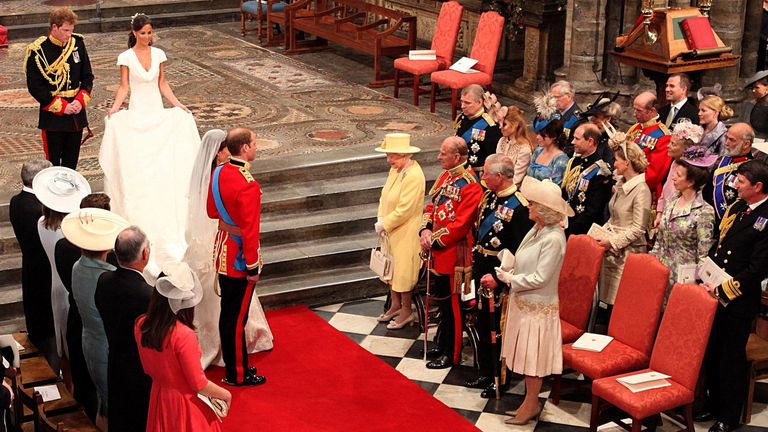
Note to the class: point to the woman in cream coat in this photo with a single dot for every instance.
(532, 341)
(398, 221)
(630, 208)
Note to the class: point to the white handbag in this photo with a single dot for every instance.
(381, 263)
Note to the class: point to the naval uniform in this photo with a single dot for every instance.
(481, 134)
(721, 191)
(57, 75)
(450, 216)
(234, 198)
(742, 251)
(653, 137)
(587, 188)
(502, 223)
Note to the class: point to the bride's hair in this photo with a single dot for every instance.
(138, 22)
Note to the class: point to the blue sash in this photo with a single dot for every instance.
(239, 263)
(479, 124)
(511, 203)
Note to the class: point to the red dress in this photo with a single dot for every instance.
(177, 376)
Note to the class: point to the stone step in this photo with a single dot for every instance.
(10, 302)
(296, 227)
(12, 324)
(322, 287)
(10, 269)
(8, 243)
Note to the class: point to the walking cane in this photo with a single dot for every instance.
(488, 293)
(428, 259)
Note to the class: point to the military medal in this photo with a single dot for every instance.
(76, 56)
(760, 223)
(580, 208)
(475, 147)
(504, 213)
(498, 226)
(441, 215)
(495, 242)
(481, 134)
(582, 196)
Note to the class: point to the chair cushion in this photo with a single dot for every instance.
(252, 6)
(419, 67)
(642, 404)
(570, 332)
(616, 358)
(457, 80)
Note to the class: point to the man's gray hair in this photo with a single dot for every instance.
(565, 87)
(30, 169)
(129, 245)
(499, 163)
(474, 90)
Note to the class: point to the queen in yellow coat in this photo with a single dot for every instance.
(398, 222)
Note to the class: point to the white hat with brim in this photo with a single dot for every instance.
(397, 143)
(756, 77)
(180, 285)
(546, 193)
(93, 229)
(60, 188)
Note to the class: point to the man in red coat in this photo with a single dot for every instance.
(653, 137)
(234, 198)
(446, 231)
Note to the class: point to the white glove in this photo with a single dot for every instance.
(379, 227)
(504, 276)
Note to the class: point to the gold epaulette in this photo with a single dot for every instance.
(521, 198)
(246, 174)
(469, 176)
(34, 46)
(488, 119)
(664, 128)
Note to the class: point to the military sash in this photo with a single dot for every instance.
(451, 191)
(503, 212)
(722, 173)
(579, 181)
(239, 263)
(480, 124)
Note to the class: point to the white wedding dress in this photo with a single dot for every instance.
(201, 231)
(147, 155)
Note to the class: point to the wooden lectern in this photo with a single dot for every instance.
(657, 44)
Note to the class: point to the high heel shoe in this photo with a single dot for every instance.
(387, 317)
(523, 420)
(394, 325)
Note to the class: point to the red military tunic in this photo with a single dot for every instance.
(653, 137)
(241, 196)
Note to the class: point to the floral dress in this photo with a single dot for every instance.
(554, 170)
(685, 235)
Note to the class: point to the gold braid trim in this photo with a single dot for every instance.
(727, 222)
(571, 176)
(59, 69)
(731, 288)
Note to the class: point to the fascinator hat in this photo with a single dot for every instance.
(755, 78)
(686, 130)
(603, 100)
(699, 156)
(60, 188)
(546, 111)
(179, 284)
(93, 229)
(547, 194)
(494, 108)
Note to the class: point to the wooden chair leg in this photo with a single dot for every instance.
(260, 24)
(432, 98)
(396, 79)
(746, 416)
(556, 388)
(242, 23)
(416, 88)
(594, 417)
(454, 97)
(689, 417)
(637, 425)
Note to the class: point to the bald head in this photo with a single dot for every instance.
(644, 106)
(738, 139)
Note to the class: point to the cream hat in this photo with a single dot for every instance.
(60, 188)
(180, 285)
(397, 143)
(545, 193)
(93, 229)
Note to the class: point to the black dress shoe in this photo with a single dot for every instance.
(480, 382)
(441, 362)
(250, 380)
(703, 416)
(251, 370)
(490, 391)
(434, 353)
(721, 427)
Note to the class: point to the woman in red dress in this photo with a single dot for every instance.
(170, 354)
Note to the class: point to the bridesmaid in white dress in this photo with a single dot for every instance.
(201, 231)
(148, 152)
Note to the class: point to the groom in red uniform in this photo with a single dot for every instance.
(235, 199)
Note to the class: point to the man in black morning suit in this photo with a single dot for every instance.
(502, 224)
(742, 251)
(680, 106)
(24, 211)
(121, 296)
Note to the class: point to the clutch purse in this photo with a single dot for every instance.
(218, 406)
(381, 263)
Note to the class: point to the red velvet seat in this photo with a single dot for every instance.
(444, 44)
(576, 285)
(678, 352)
(485, 48)
(633, 324)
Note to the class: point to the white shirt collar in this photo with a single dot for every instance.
(28, 189)
(680, 104)
(634, 181)
(757, 204)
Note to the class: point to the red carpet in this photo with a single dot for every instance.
(320, 380)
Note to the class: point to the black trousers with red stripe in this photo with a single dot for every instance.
(62, 148)
(449, 330)
(236, 295)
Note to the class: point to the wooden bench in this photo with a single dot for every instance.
(354, 24)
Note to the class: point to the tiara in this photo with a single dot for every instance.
(133, 17)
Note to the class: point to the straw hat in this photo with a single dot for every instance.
(397, 143)
(545, 193)
(93, 229)
(60, 188)
(180, 285)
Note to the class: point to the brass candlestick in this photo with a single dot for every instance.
(647, 11)
(705, 6)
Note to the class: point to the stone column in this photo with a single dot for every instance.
(727, 17)
(587, 44)
(750, 42)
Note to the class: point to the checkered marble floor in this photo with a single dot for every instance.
(403, 350)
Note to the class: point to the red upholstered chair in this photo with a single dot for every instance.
(633, 325)
(678, 352)
(576, 286)
(485, 48)
(444, 44)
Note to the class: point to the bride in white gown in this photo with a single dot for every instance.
(148, 152)
(201, 231)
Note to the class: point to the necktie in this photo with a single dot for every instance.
(671, 115)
